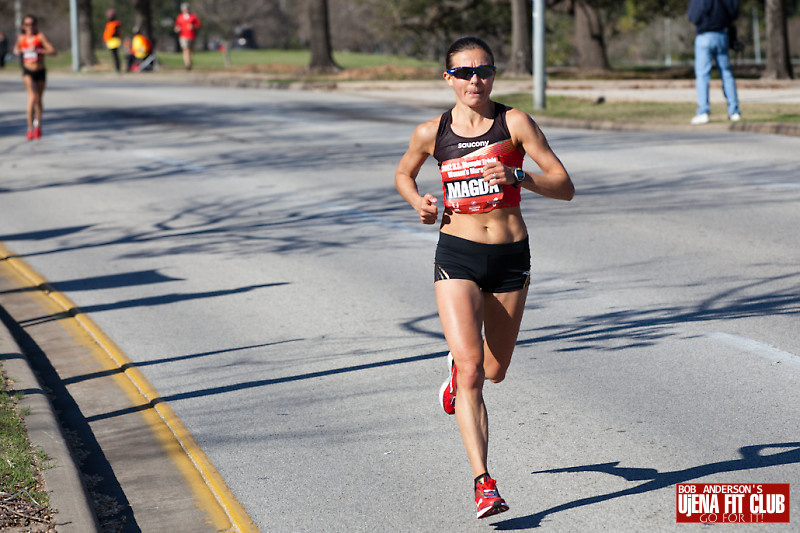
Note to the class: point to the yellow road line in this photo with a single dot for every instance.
(200, 471)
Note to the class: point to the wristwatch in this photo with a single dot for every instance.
(519, 176)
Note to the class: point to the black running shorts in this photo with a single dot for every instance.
(493, 267)
(36, 75)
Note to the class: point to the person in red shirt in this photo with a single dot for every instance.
(186, 26)
(112, 37)
(32, 45)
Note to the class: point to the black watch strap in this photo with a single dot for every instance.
(519, 176)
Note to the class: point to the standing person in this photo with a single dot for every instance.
(112, 36)
(32, 45)
(482, 265)
(186, 26)
(3, 49)
(712, 18)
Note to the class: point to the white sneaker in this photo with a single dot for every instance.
(700, 119)
(736, 117)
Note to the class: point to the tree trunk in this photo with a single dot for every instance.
(320, 40)
(521, 38)
(85, 34)
(589, 38)
(143, 17)
(779, 65)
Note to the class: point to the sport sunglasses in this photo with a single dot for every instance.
(466, 73)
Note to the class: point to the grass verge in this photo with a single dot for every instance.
(277, 62)
(667, 113)
(23, 501)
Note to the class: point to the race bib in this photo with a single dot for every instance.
(464, 188)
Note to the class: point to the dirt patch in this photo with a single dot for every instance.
(378, 72)
(19, 515)
(265, 68)
(388, 72)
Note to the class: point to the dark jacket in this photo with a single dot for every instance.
(712, 15)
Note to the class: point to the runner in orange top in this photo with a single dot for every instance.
(32, 45)
(186, 26)
(112, 37)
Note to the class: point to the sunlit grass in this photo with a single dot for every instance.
(281, 61)
(667, 113)
(18, 462)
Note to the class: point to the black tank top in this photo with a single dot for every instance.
(461, 160)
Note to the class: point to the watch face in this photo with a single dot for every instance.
(519, 174)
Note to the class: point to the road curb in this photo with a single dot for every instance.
(773, 128)
(68, 496)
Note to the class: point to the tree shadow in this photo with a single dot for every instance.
(631, 328)
(752, 457)
(167, 360)
(43, 235)
(163, 299)
(251, 226)
(112, 281)
(211, 391)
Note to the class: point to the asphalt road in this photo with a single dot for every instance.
(247, 249)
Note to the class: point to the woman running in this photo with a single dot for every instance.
(32, 45)
(482, 264)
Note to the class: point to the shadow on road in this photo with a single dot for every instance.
(265, 382)
(641, 327)
(753, 457)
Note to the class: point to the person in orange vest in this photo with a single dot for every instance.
(186, 26)
(32, 45)
(112, 37)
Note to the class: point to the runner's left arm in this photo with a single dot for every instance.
(47, 48)
(554, 181)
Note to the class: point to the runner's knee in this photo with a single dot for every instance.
(470, 375)
(495, 372)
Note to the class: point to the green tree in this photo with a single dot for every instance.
(429, 27)
(589, 20)
(647, 11)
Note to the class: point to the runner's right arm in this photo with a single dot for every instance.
(405, 178)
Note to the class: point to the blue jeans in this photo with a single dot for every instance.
(713, 46)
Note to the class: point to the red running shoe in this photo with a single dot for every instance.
(488, 499)
(30, 135)
(37, 132)
(447, 394)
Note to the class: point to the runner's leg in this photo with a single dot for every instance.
(30, 88)
(502, 318)
(38, 104)
(460, 304)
